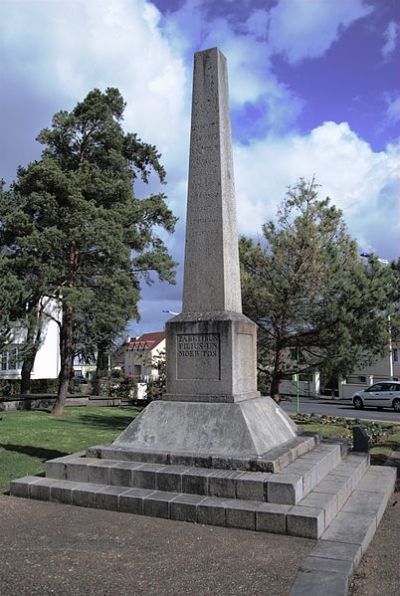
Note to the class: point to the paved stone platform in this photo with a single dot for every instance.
(274, 460)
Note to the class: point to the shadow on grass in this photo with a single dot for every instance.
(43, 454)
(99, 421)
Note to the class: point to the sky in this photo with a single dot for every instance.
(314, 91)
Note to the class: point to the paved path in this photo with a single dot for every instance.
(379, 571)
(70, 551)
(48, 549)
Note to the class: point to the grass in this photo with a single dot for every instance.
(385, 436)
(28, 439)
(327, 431)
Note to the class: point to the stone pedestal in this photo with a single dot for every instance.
(211, 358)
(247, 429)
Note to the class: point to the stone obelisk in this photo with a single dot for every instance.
(212, 407)
(211, 346)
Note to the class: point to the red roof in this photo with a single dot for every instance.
(147, 341)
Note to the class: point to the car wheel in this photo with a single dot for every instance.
(396, 405)
(358, 403)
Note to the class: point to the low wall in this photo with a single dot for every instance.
(47, 401)
(43, 401)
(346, 390)
(290, 388)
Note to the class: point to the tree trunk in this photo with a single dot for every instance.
(34, 332)
(26, 370)
(25, 386)
(66, 357)
(101, 367)
(277, 375)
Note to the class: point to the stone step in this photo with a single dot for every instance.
(234, 513)
(299, 478)
(339, 551)
(288, 487)
(275, 460)
(318, 515)
(328, 497)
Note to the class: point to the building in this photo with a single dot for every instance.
(138, 355)
(47, 361)
(383, 369)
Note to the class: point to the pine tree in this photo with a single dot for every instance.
(79, 222)
(316, 303)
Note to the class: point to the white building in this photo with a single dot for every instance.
(47, 361)
(140, 353)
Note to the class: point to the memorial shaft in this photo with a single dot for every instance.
(212, 274)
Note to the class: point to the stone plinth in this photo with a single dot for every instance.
(248, 428)
(211, 358)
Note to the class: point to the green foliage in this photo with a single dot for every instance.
(13, 291)
(318, 306)
(9, 387)
(340, 427)
(123, 388)
(156, 387)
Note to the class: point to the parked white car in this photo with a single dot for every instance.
(380, 395)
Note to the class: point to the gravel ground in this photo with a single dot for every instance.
(379, 571)
(64, 550)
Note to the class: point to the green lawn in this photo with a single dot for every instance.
(27, 439)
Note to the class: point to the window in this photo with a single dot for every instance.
(395, 355)
(387, 387)
(376, 387)
(9, 359)
(3, 364)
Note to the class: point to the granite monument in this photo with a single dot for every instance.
(212, 406)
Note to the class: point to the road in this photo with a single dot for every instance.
(339, 408)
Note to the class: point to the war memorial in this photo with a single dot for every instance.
(212, 450)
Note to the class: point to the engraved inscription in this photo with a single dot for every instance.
(198, 356)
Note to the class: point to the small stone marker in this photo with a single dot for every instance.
(361, 440)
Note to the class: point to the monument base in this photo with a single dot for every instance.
(248, 428)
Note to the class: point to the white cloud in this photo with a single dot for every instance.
(363, 183)
(390, 35)
(302, 29)
(251, 80)
(393, 109)
(67, 48)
